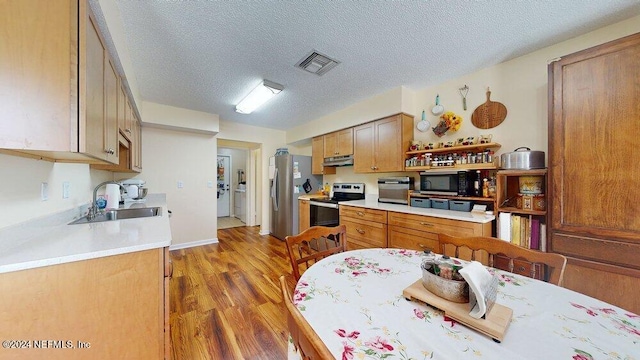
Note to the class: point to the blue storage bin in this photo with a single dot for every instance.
(460, 205)
(421, 202)
(440, 204)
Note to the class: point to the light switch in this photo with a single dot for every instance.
(66, 187)
(180, 184)
(44, 191)
(210, 184)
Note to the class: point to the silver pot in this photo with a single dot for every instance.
(522, 158)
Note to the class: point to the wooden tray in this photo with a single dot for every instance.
(494, 325)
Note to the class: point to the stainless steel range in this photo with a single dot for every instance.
(324, 212)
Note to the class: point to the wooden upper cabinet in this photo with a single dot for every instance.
(124, 113)
(379, 146)
(317, 157)
(339, 143)
(63, 100)
(594, 173)
(110, 131)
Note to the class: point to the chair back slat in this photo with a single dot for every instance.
(510, 257)
(313, 245)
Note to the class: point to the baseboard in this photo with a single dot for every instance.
(264, 232)
(193, 244)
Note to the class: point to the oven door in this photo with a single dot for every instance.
(323, 214)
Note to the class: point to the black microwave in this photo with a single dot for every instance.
(447, 183)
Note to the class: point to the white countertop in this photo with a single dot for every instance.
(372, 203)
(50, 241)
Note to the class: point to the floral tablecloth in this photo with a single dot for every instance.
(354, 302)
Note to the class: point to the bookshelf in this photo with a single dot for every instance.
(522, 217)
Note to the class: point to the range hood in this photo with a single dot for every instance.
(346, 160)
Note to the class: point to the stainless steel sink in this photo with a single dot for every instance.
(120, 214)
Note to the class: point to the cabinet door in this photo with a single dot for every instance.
(303, 215)
(37, 65)
(92, 138)
(389, 153)
(317, 157)
(136, 144)
(344, 143)
(363, 148)
(110, 132)
(330, 144)
(124, 116)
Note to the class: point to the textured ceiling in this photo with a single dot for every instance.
(207, 55)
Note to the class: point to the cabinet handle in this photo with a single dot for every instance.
(128, 130)
(373, 168)
(426, 224)
(360, 213)
(360, 231)
(110, 151)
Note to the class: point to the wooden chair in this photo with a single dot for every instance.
(506, 256)
(305, 339)
(314, 244)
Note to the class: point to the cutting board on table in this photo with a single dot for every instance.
(489, 115)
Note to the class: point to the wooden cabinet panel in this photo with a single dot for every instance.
(439, 225)
(124, 115)
(363, 213)
(40, 75)
(317, 158)
(593, 175)
(339, 143)
(63, 103)
(613, 284)
(380, 146)
(114, 303)
(407, 238)
(93, 141)
(366, 233)
(110, 130)
(303, 215)
(363, 148)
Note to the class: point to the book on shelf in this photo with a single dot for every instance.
(527, 231)
(535, 234)
(504, 226)
(515, 229)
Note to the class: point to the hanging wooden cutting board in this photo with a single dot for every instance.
(489, 115)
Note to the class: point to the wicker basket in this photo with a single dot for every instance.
(452, 290)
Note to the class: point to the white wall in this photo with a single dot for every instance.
(20, 181)
(169, 156)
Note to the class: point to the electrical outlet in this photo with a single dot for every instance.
(180, 184)
(66, 187)
(44, 191)
(210, 184)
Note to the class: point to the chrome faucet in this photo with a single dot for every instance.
(93, 210)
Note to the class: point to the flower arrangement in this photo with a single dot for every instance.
(448, 121)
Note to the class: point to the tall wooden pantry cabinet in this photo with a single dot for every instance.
(594, 170)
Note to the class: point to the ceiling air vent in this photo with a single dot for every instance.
(317, 63)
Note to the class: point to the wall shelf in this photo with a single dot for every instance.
(462, 148)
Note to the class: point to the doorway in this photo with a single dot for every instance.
(223, 185)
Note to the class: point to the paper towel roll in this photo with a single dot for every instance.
(112, 194)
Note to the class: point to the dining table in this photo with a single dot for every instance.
(354, 301)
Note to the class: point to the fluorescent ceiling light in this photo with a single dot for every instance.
(258, 96)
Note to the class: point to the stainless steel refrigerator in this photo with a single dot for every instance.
(291, 178)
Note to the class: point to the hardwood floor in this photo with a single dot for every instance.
(226, 300)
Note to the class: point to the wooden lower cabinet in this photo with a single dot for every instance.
(304, 214)
(366, 228)
(420, 232)
(613, 284)
(114, 307)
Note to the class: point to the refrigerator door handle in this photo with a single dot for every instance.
(274, 190)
